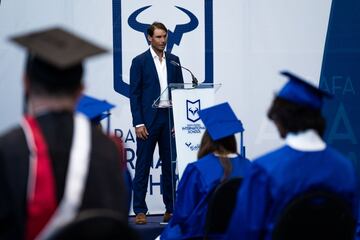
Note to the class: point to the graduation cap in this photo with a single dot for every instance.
(301, 92)
(55, 58)
(220, 121)
(58, 47)
(95, 109)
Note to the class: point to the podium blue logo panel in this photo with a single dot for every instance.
(192, 110)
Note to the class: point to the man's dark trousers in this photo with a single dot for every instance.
(159, 132)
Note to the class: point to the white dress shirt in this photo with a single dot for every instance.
(162, 74)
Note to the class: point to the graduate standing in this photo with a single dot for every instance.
(55, 164)
(304, 163)
(218, 161)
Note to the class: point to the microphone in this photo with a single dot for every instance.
(194, 80)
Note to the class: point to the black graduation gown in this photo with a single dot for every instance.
(104, 187)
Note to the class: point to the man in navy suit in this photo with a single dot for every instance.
(150, 74)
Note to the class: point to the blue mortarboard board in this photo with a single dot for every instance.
(301, 92)
(93, 108)
(220, 121)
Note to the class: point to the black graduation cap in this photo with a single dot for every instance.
(299, 91)
(55, 58)
(58, 47)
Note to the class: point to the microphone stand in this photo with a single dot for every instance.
(194, 79)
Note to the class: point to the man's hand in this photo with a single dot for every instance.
(141, 132)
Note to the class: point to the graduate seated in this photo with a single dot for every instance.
(305, 163)
(218, 161)
(98, 110)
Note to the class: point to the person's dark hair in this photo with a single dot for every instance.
(222, 146)
(155, 25)
(47, 79)
(291, 117)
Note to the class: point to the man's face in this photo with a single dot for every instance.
(158, 40)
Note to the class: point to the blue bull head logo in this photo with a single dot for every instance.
(174, 37)
(192, 110)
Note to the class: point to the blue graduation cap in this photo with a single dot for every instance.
(301, 92)
(95, 109)
(220, 121)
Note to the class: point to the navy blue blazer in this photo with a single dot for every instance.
(145, 86)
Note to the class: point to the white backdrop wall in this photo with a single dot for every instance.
(253, 41)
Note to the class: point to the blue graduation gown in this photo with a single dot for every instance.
(198, 180)
(279, 176)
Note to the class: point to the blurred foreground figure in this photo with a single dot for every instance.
(56, 163)
(303, 165)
